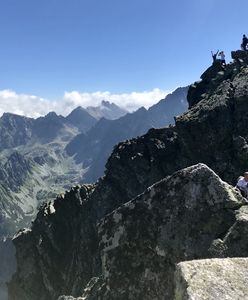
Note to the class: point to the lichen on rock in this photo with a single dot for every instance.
(187, 212)
(212, 279)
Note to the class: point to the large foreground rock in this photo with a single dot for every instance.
(177, 219)
(211, 279)
(190, 215)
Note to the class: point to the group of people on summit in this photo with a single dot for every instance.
(222, 54)
(222, 57)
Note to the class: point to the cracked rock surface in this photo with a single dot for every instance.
(212, 279)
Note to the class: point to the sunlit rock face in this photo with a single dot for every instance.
(176, 219)
(212, 279)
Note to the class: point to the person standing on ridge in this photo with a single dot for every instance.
(214, 55)
(222, 58)
(244, 42)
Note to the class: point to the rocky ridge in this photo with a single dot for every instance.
(123, 244)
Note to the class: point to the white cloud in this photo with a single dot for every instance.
(34, 106)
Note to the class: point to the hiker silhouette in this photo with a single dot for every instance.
(214, 56)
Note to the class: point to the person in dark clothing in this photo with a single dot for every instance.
(214, 56)
(244, 42)
(222, 58)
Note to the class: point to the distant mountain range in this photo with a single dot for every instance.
(18, 130)
(44, 156)
(85, 118)
(41, 157)
(94, 147)
(34, 165)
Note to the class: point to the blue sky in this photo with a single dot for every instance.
(52, 46)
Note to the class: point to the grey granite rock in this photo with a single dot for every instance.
(211, 279)
(176, 219)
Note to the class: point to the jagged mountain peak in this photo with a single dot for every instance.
(78, 110)
(106, 109)
(80, 118)
(11, 118)
(52, 115)
(107, 103)
(13, 115)
(141, 109)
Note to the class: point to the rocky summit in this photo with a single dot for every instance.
(165, 198)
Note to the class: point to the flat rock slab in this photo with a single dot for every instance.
(212, 279)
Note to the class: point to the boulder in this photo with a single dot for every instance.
(212, 279)
(176, 219)
(240, 57)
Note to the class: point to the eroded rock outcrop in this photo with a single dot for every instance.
(176, 219)
(183, 217)
(213, 131)
(212, 279)
(214, 76)
(52, 249)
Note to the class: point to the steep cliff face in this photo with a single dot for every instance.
(52, 249)
(191, 214)
(7, 265)
(14, 130)
(213, 131)
(13, 173)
